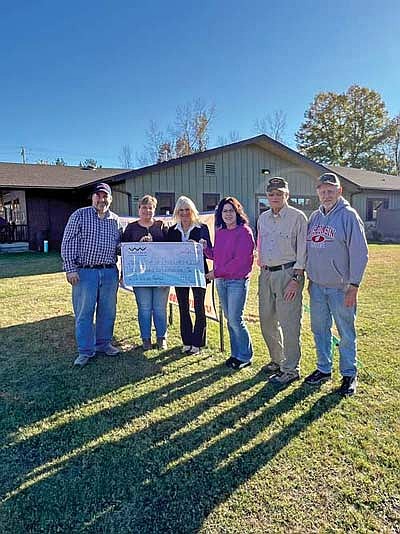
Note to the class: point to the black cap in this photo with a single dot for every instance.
(102, 187)
(328, 178)
(278, 183)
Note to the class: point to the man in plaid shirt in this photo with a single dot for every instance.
(89, 250)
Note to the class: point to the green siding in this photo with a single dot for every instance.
(238, 173)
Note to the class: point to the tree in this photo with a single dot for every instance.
(192, 124)
(165, 152)
(189, 134)
(125, 157)
(348, 129)
(394, 145)
(233, 137)
(156, 139)
(60, 161)
(273, 125)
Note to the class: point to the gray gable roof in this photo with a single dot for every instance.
(367, 179)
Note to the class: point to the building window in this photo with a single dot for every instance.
(373, 205)
(134, 207)
(262, 204)
(210, 201)
(209, 168)
(165, 203)
(304, 203)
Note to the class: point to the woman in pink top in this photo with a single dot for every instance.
(233, 261)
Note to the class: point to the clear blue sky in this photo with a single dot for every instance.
(82, 78)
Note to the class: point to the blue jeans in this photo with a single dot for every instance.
(95, 295)
(233, 295)
(327, 303)
(152, 304)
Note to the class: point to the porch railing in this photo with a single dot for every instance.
(14, 233)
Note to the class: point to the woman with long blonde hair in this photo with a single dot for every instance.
(188, 227)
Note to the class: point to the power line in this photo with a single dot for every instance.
(51, 153)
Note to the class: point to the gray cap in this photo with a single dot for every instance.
(277, 183)
(328, 178)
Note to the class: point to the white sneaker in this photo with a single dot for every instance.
(82, 360)
(186, 348)
(194, 350)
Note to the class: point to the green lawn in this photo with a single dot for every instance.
(160, 442)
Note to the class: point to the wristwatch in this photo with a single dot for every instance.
(297, 277)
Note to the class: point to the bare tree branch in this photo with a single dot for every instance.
(125, 157)
(273, 125)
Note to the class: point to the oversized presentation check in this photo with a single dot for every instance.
(163, 264)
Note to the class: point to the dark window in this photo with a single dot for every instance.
(134, 207)
(304, 203)
(262, 204)
(210, 201)
(373, 205)
(165, 203)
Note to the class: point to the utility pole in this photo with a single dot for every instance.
(23, 154)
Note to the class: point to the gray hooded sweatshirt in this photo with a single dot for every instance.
(337, 251)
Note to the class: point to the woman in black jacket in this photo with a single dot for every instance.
(189, 228)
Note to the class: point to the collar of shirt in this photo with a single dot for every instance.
(106, 213)
(185, 235)
(281, 213)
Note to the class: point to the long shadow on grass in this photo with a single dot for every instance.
(177, 490)
(44, 442)
(169, 475)
(204, 467)
(38, 379)
(137, 457)
(43, 419)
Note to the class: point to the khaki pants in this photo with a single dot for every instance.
(280, 320)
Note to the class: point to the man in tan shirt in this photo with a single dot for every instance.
(282, 233)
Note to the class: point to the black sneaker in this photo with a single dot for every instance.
(317, 377)
(236, 364)
(348, 386)
(283, 379)
(271, 368)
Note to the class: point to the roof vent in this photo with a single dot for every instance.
(88, 167)
(209, 168)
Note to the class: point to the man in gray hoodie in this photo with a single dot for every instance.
(337, 256)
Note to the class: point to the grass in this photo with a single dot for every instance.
(158, 442)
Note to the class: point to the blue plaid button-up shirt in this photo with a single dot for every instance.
(90, 240)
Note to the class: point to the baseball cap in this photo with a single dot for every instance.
(102, 187)
(277, 183)
(328, 178)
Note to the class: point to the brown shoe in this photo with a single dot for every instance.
(162, 343)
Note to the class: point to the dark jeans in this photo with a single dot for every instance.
(192, 335)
